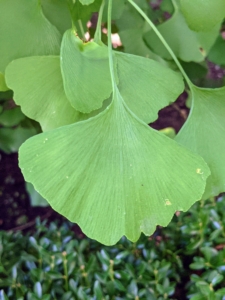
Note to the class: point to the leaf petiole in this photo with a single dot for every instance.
(98, 32)
(111, 67)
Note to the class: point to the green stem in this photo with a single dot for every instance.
(98, 32)
(164, 42)
(109, 28)
(81, 29)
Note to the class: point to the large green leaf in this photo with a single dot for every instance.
(58, 13)
(85, 71)
(24, 31)
(146, 85)
(186, 44)
(38, 89)
(113, 174)
(203, 15)
(204, 133)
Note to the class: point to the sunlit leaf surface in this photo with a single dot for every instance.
(204, 133)
(112, 174)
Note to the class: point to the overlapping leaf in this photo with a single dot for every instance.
(186, 44)
(204, 133)
(112, 174)
(146, 85)
(203, 15)
(38, 89)
(24, 31)
(84, 69)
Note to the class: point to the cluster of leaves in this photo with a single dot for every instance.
(185, 260)
(97, 161)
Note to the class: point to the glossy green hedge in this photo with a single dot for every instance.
(52, 263)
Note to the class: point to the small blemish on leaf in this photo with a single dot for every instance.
(167, 202)
(199, 171)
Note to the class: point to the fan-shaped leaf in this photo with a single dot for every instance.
(203, 15)
(38, 89)
(146, 85)
(112, 174)
(85, 71)
(194, 47)
(204, 133)
(24, 31)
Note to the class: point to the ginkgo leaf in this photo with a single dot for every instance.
(113, 174)
(204, 132)
(146, 85)
(85, 71)
(58, 13)
(203, 15)
(3, 86)
(194, 47)
(24, 31)
(38, 89)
